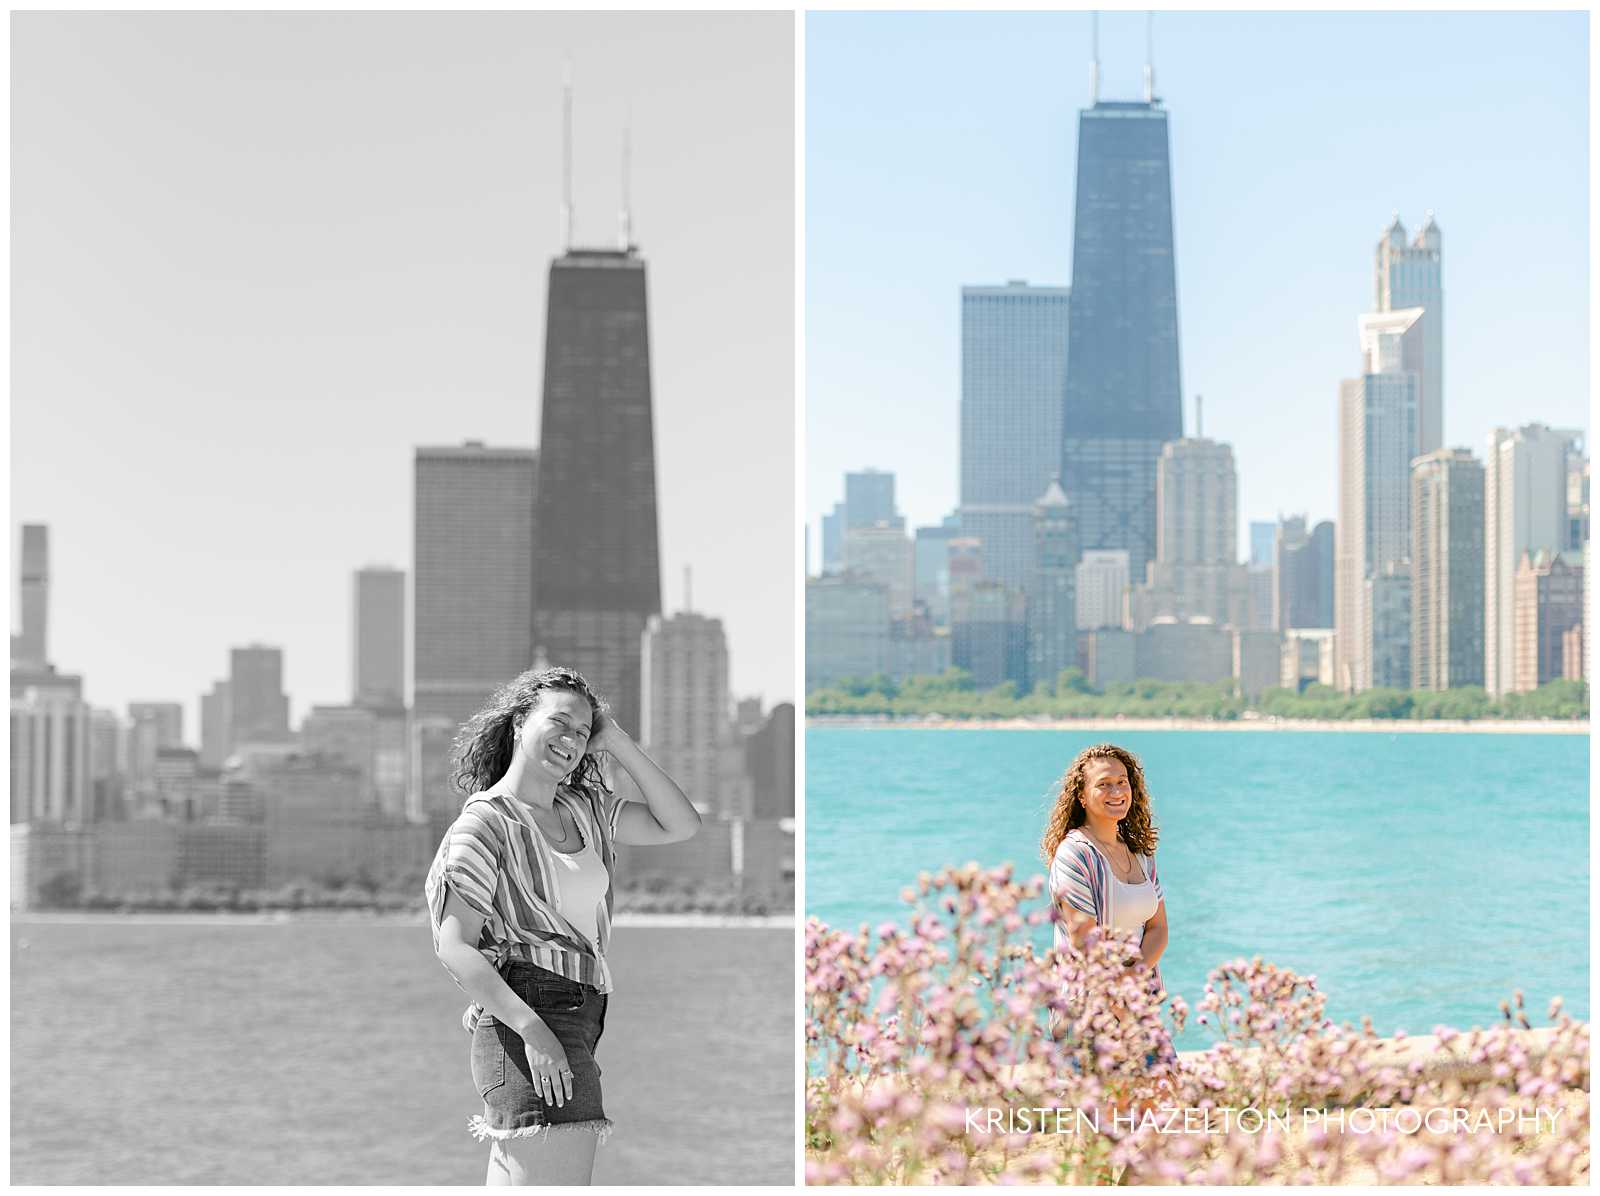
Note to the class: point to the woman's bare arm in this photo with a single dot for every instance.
(666, 815)
(547, 1058)
(458, 932)
(1079, 924)
(1155, 936)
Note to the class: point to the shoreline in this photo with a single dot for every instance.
(1113, 723)
(623, 921)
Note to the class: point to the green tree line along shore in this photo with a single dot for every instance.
(649, 895)
(953, 695)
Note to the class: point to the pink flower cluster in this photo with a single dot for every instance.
(924, 1041)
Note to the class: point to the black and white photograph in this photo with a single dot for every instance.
(404, 569)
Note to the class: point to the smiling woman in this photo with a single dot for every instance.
(520, 897)
(1100, 845)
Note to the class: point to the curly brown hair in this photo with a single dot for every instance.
(1137, 830)
(485, 745)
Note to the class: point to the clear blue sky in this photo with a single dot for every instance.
(941, 150)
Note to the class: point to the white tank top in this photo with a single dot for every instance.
(1135, 904)
(581, 884)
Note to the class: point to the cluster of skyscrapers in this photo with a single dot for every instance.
(521, 558)
(1450, 571)
(1093, 533)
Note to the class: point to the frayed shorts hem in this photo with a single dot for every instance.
(480, 1129)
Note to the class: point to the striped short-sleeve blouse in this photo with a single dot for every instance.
(498, 861)
(1080, 876)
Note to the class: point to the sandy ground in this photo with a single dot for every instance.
(1391, 726)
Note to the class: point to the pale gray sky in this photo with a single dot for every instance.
(256, 258)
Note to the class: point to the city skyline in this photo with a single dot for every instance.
(1278, 206)
(354, 262)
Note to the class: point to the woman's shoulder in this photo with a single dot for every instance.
(478, 814)
(1074, 845)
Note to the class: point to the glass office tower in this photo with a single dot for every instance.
(1123, 398)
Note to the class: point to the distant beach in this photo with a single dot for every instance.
(1391, 726)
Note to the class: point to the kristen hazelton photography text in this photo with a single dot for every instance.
(1251, 1120)
(520, 755)
(1006, 928)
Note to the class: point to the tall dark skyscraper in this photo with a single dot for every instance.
(1123, 396)
(597, 573)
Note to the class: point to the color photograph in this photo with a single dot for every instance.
(403, 574)
(1196, 659)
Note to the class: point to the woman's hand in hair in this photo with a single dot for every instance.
(607, 735)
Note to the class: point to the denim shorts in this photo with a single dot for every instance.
(512, 1106)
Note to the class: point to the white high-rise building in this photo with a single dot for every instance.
(50, 766)
(1393, 342)
(1410, 276)
(1013, 386)
(1197, 503)
(685, 719)
(1525, 511)
(1101, 581)
(1446, 570)
(1196, 571)
(1377, 441)
(1052, 609)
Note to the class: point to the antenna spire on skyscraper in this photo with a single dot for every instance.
(625, 232)
(566, 160)
(1199, 417)
(1149, 57)
(1094, 58)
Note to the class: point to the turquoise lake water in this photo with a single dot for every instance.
(1421, 877)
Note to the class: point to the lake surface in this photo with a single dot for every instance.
(1421, 878)
(332, 1053)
